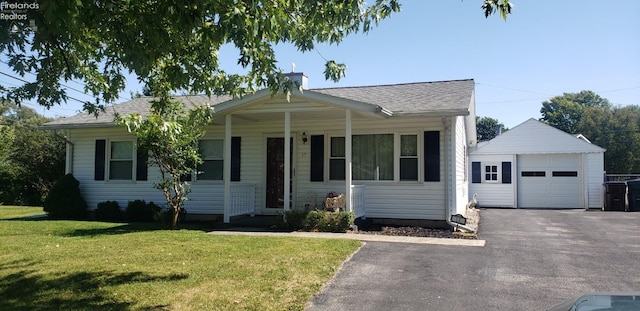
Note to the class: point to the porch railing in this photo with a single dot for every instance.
(358, 204)
(243, 200)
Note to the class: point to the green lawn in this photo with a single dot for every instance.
(82, 265)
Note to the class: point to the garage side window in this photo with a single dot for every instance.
(491, 173)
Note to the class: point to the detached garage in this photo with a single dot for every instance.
(534, 165)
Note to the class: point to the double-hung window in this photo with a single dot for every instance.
(211, 151)
(121, 160)
(409, 157)
(337, 158)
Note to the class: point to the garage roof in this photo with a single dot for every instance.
(535, 137)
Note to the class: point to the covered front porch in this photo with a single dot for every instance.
(260, 120)
(242, 201)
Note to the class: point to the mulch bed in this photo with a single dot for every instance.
(370, 228)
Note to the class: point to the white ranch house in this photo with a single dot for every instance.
(397, 152)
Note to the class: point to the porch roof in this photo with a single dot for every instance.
(422, 98)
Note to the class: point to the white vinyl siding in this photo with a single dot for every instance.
(493, 194)
(384, 199)
(594, 174)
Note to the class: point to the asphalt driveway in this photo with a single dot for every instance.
(533, 259)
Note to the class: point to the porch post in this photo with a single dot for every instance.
(287, 159)
(347, 159)
(227, 168)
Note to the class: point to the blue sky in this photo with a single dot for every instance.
(545, 48)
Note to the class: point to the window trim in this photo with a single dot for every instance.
(330, 157)
(397, 136)
(109, 160)
(397, 160)
(497, 172)
(197, 171)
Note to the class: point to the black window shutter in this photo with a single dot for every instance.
(235, 158)
(141, 164)
(98, 172)
(476, 173)
(432, 156)
(317, 157)
(506, 172)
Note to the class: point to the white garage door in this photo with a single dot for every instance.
(550, 181)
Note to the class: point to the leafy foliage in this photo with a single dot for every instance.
(487, 128)
(175, 44)
(140, 211)
(616, 129)
(490, 7)
(108, 211)
(170, 135)
(64, 201)
(322, 221)
(31, 160)
(564, 112)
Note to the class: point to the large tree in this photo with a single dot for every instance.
(488, 128)
(31, 160)
(564, 112)
(174, 46)
(616, 129)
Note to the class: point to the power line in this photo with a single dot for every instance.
(25, 81)
(68, 87)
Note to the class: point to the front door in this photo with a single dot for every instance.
(275, 172)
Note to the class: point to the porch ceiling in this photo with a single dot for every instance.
(273, 109)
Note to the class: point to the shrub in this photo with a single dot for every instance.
(293, 220)
(64, 200)
(322, 221)
(140, 211)
(108, 211)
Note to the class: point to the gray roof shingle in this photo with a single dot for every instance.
(442, 97)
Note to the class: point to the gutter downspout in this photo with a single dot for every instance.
(68, 164)
(447, 192)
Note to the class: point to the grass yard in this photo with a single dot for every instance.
(83, 265)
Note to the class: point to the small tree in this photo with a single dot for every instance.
(170, 135)
(487, 128)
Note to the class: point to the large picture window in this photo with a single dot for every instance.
(211, 152)
(373, 157)
(121, 160)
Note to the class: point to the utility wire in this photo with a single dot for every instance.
(25, 81)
